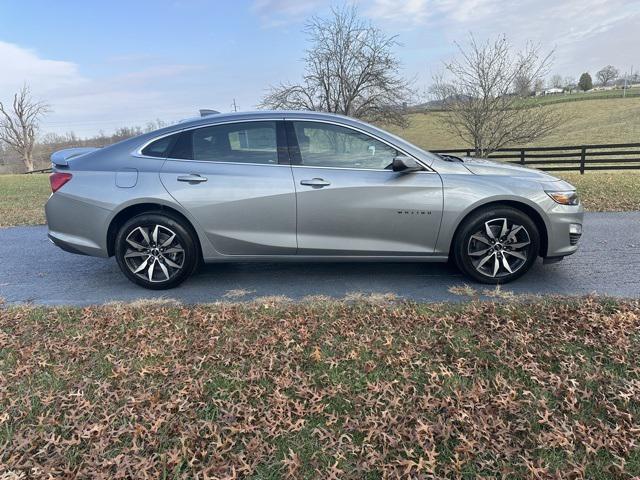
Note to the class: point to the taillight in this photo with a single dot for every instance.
(57, 180)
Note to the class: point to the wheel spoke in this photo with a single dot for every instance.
(504, 230)
(154, 235)
(164, 269)
(168, 241)
(514, 231)
(485, 260)
(151, 269)
(496, 266)
(142, 266)
(145, 235)
(170, 262)
(515, 254)
(136, 254)
(479, 253)
(135, 245)
(506, 264)
(480, 238)
(489, 232)
(519, 244)
(173, 250)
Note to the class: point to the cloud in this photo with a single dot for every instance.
(407, 11)
(86, 105)
(21, 65)
(273, 13)
(586, 34)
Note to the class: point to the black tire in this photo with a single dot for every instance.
(174, 260)
(469, 253)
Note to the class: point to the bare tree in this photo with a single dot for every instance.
(556, 81)
(569, 83)
(606, 74)
(539, 85)
(19, 125)
(478, 100)
(523, 86)
(349, 69)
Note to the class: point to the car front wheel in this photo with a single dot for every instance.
(496, 245)
(156, 251)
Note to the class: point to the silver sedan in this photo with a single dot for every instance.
(301, 186)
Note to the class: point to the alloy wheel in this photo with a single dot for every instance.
(499, 249)
(154, 254)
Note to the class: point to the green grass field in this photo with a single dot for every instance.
(322, 389)
(580, 97)
(22, 199)
(615, 120)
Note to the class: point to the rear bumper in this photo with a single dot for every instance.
(74, 245)
(77, 226)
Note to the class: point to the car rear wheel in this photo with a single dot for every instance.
(156, 251)
(496, 245)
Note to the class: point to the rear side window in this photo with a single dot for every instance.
(247, 142)
(160, 148)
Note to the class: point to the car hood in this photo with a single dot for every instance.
(481, 166)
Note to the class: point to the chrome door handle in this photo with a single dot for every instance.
(192, 178)
(315, 182)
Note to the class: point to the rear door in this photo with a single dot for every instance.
(349, 200)
(238, 185)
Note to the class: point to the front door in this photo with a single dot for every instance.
(231, 179)
(349, 200)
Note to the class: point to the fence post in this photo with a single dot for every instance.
(521, 157)
(582, 158)
(468, 153)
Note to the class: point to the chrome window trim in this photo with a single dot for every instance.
(209, 162)
(361, 169)
(138, 151)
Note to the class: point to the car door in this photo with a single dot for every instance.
(349, 200)
(237, 184)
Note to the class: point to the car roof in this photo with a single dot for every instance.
(260, 114)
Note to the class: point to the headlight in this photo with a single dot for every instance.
(564, 198)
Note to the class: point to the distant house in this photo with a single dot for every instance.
(553, 91)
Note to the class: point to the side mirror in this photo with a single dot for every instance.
(405, 164)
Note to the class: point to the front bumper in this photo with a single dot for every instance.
(563, 223)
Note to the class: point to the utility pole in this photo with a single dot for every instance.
(234, 105)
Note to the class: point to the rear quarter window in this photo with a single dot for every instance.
(161, 147)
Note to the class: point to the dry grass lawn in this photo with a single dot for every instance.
(543, 389)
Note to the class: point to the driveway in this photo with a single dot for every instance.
(35, 271)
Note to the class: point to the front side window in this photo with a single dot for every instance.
(250, 142)
(328, 145)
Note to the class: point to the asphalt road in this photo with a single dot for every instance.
(32, 270)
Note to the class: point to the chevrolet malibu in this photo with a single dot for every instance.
(301, 186)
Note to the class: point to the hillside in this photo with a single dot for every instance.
(611, 120)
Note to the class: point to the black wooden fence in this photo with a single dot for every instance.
(614, 156)
(42, 170)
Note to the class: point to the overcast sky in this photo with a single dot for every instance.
(128, 62)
